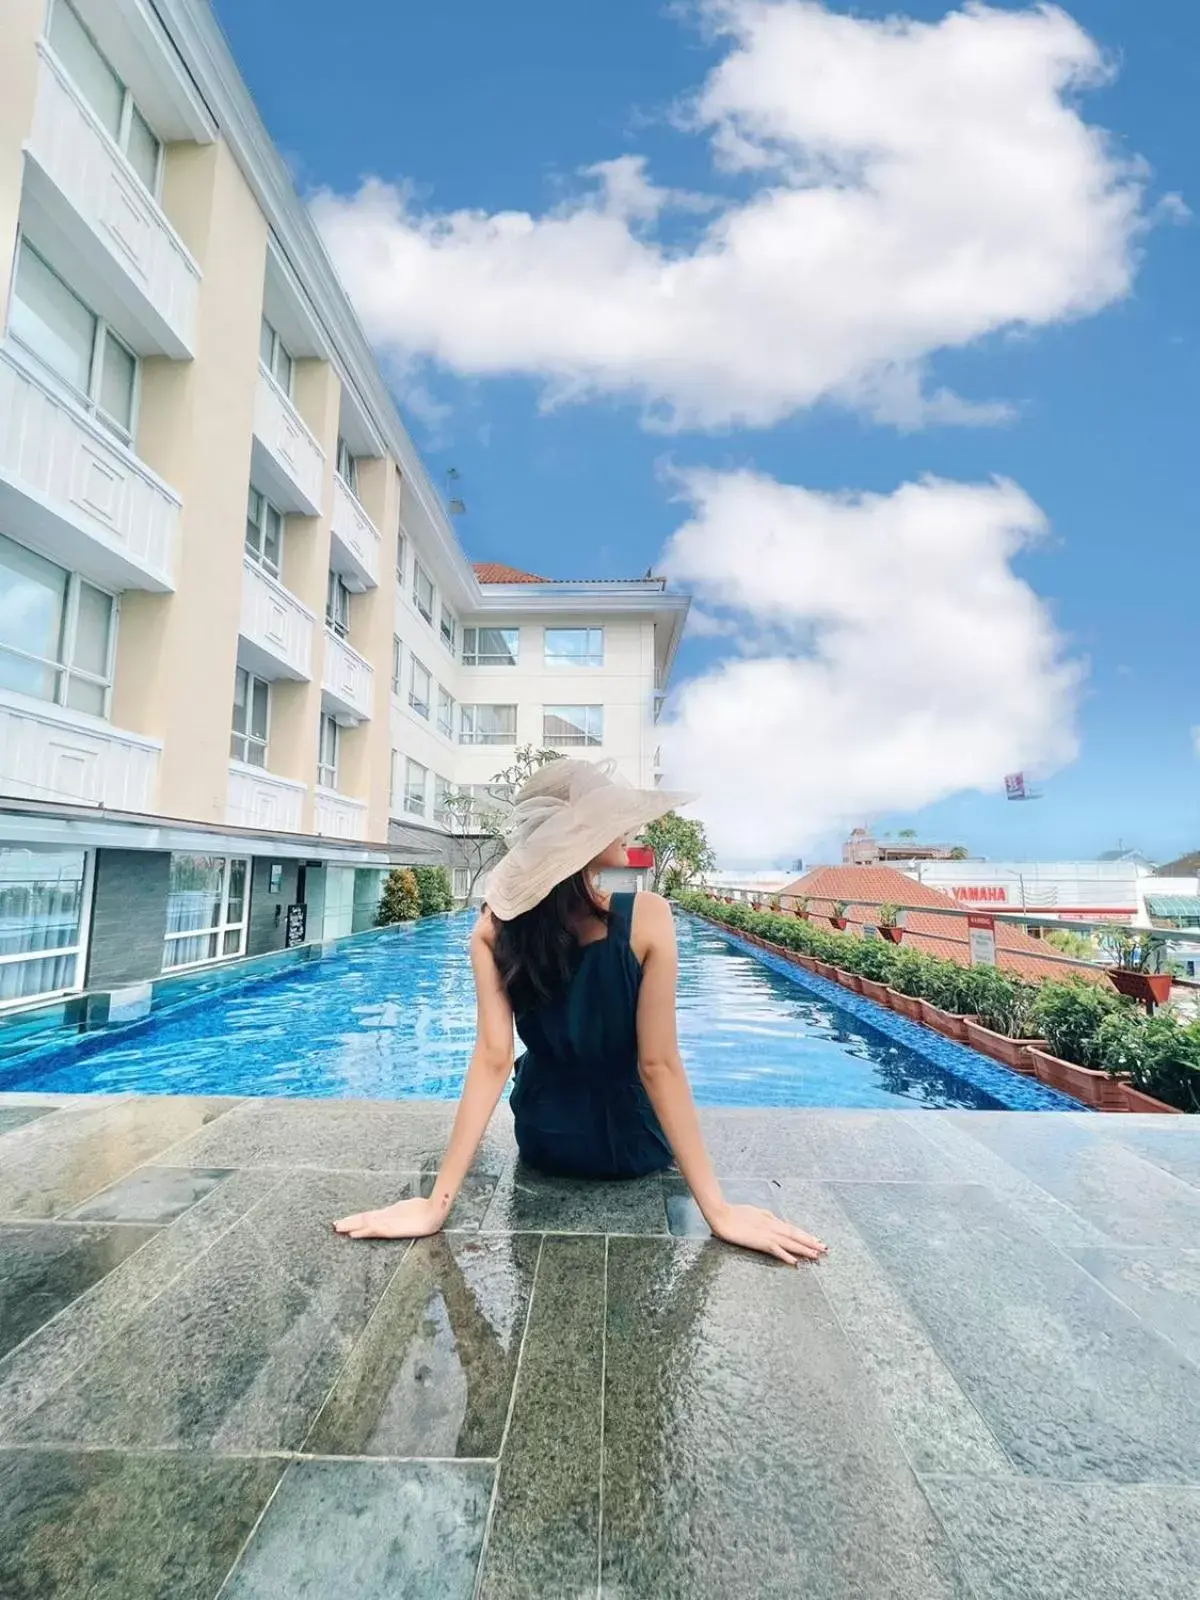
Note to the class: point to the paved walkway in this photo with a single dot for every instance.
(990, 1388)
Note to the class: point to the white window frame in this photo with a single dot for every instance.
(337, 615)
(401, 558)
(327, 773)
(411, 807)
(128, 105)
(443, 790)
(448, 629)
(472, 658)
(268, 365)
(419, 573)
(590, 659)
(89, 398)
(585, 739)
(79, 949)
(460, 879)
(347, 466)
(446, 728)
(247, 738)
(63, 670)
(222, 926)
(397, 666)
(421, 707)
(258, 555)
(470, 735)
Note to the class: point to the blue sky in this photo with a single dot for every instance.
(498, 108)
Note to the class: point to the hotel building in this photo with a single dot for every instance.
(243, 658)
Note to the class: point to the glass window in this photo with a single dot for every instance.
(416, 779)
(328, 750)
(419, 687)
(462, 882)
(52, 321)
(142, 148)
(206, 909)
(574, 647)
(397, 654)
(445, 716)
(251, 715)
(273, 354)
(572, 725)
(264, 532)
(92, 75)
(118, 382)
(56, 632)
(422, 591)
(42, 894)
(400, 558)
(442, 790)
(490, 647)
(488, 725)
(337, 606)
(449, 630)
(347, 466)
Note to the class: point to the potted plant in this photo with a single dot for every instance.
(1072, 1015)
(800, 907)
(889, 924)
(942, 1005)
(1000, 1022)
(838, 915)
(1138, 971)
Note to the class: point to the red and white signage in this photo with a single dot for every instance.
(981, 935)
(981, 894)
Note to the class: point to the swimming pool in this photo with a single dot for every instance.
(393, 1016)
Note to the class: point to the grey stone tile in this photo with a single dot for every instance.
(1071, 1383)
(744, 1454)
(544, 1537)
(369, 1530)
(63, 1160)
(756, 1144)
(1128, 1200)
(532, 1202)
(14, 1117)
(1052, 1541)
(105, 1527)
(152, 1194)
(46, 1265)
(1172, 1143)
(433, 1374)
(684, 1217)
(342, 1135)
(28, 1375)
(937, 1424)
(241, 1352)
(878, 1147)
(1162, 1286)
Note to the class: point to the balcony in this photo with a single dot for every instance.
(257, 799)
(288, 464)
(48, 753)
(337, 816)
(78, 186)
(276, 630)
(70, 488)
(355, 549)
(347, 683)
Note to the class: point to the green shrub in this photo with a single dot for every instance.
(1002, 1003)
(1069, 1013)
(1170, 1069)
(401, 899)
(433, 887)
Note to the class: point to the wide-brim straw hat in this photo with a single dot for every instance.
(562, 818)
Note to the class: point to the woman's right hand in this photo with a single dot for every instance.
(407, 1219)
(756, 1229)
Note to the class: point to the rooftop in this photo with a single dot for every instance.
(989, 1387)
(496, 572)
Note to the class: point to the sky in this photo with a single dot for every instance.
(874, 328)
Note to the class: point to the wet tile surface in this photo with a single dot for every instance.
(685, 1219)
(153, 1194)
(14, 1117)
(433, 1374)
(367, 1530)
(530, 1202)
(107, 1527)
(1161, 1286)
(45, 1266)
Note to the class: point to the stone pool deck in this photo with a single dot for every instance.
(990, 1388)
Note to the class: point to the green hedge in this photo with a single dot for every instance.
(433, 886)
(1083, 1022)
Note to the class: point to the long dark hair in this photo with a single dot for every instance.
(535, 952)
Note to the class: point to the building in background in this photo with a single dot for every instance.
(243, 658)
(862, 849)
(1104, 891)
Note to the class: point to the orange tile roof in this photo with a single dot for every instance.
(932, 931)
(497, 572)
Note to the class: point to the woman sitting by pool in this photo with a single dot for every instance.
(589, 978)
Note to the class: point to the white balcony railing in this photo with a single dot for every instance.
(89, 501)
(125, 235)
(47, 753)
(277, 631)
(258, 799)
(337, 816)
(289, 464)
(347, 682)
(355, 537)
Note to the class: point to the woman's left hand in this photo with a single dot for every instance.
(756, 1229)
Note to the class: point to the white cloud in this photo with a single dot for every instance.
(914, 662)
(1196, 739)
(913, 187)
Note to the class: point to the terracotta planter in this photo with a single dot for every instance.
(1095, 1089)
(824, 969)
(1008, 1052)
(892, 935)
(906, 1004)
(1150, 988)
(848, 980)
(871, 990)
(837, 922)
(1135, 1100)
(948, 1023)
(803, 915)
(809, 963)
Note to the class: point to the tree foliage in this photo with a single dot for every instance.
(476, 824)
(433, 886)
(401, 898)
(682, 853)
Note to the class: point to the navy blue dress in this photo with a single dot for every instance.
(578, 1104)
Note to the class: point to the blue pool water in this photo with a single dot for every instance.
(394, 1016)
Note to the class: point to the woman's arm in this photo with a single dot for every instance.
(491, 1063)
(666, 1082)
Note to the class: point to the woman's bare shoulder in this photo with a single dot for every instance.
(653, 923)
(484, 931)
